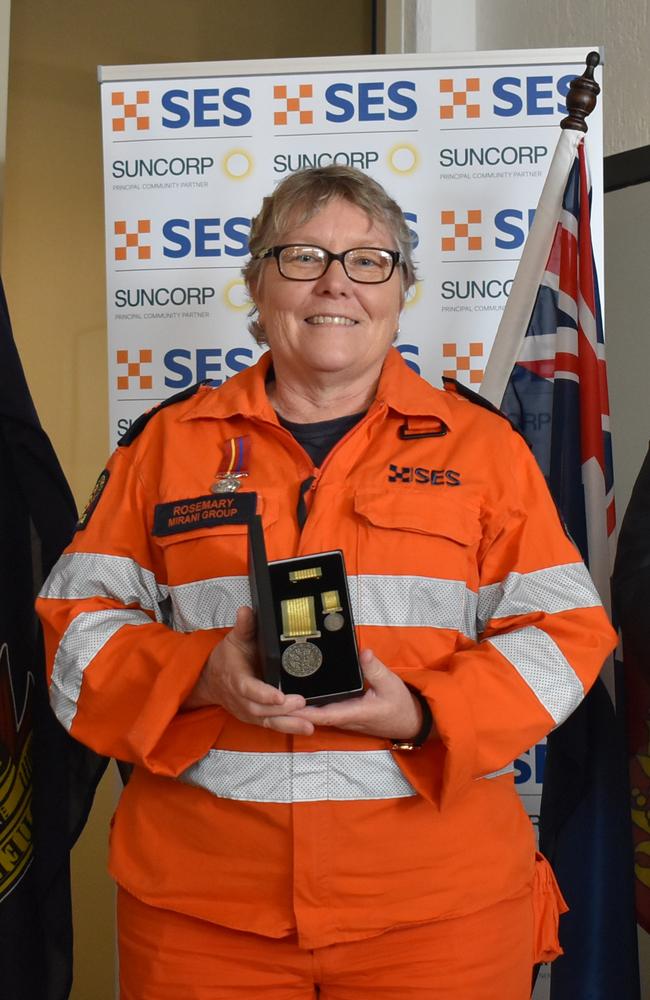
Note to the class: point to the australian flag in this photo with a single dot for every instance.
(557, 395)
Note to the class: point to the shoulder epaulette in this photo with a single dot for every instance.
(453, 385)
(141, 422)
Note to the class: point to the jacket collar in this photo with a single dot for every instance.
(400, 389)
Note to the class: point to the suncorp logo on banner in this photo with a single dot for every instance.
(471, 231)
(402, 158)
(137, 111)
(161, 166)
(474, 294)
(299, 103)
(470, 97)
(200, 238)
(492, 160)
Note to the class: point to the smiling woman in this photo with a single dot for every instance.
(330, 266)
(374, 846)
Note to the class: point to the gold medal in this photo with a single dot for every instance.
(302, 658)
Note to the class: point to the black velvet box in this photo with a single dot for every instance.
(305, 631)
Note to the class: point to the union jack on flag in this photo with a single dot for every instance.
(557, 393)
(547, 371)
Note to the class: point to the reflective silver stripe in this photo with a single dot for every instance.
(539, 661)
(397, 601)
(559, 588)
(321, 776)
(394, 601)
(81, 575)
(80, 643)
(413, 602)
(508, 769)
(208, 603)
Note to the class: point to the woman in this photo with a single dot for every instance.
(374, 847)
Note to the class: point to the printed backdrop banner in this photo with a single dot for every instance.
(462, 141)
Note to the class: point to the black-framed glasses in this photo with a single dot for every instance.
(304, 262)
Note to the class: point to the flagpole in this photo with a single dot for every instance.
(581, 100)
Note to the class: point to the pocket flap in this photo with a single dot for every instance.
(420, 512)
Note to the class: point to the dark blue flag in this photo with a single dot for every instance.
(47, 780)
(557, 395)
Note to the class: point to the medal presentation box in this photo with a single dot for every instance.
(305, 632)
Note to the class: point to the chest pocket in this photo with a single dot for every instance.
(417, 563)
(207, 571)
(417, 532)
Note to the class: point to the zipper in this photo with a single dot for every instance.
(375, 410)
(309, 484)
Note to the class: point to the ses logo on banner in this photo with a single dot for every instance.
(298, 103)
(468, 97)
(464, 362)
(184, 366)
(472, 230)
(181, 367)
(136, 111)
(138, 240)
(141, 241)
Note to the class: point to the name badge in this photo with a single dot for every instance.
(209, 511)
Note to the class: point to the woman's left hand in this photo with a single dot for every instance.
(387, 709)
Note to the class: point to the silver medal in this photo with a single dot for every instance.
(226, 484)
(302, 659)
(333, 622)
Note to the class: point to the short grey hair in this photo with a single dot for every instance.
(300, 196)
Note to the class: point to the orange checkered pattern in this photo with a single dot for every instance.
(293, 105)
(459, 98)
(130, 110)
(465, 365)
(127, 239)
(134, 370)
(461, 230)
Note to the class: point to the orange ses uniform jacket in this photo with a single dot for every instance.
(462, 580)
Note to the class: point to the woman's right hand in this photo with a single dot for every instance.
(229, 680)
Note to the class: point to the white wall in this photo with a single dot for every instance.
(622, 26)
(430, 26)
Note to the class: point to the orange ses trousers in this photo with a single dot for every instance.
(486, 955)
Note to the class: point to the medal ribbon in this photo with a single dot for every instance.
(298, 618)
(236, 454)
(331, 601)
